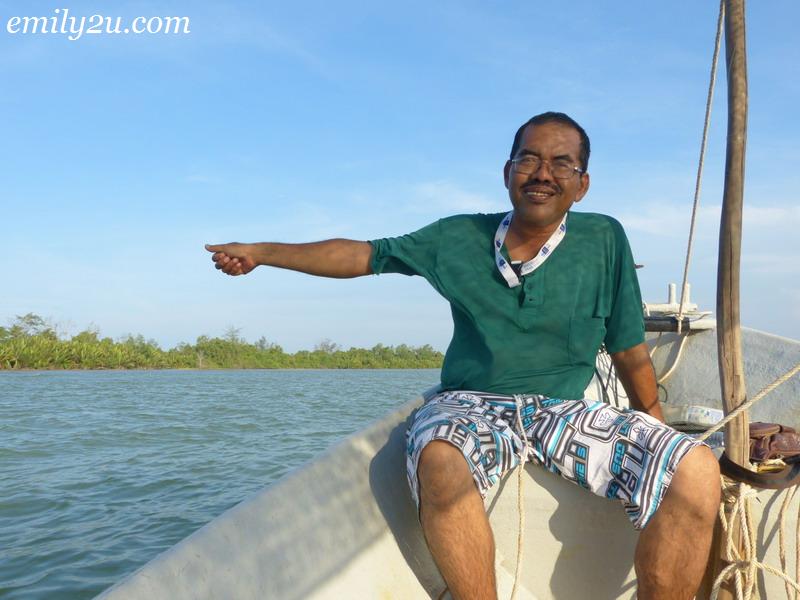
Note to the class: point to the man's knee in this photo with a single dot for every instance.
(443, 475)
(696, 483)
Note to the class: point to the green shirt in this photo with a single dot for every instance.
(541, 337)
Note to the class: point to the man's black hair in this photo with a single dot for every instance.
(555, 117)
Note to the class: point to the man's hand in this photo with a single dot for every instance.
(234, 258)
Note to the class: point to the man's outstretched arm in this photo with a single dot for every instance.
(635, 371)
(332, 258)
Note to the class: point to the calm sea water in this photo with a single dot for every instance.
(102, 470)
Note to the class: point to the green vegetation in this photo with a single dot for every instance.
(32, 343)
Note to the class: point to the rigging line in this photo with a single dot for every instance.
(743, 407)
(790, 492)
(655, 345)
(703, 145)
(519, 405)
(675, 363)
(616, 391)
(604, 385)
(796, 593)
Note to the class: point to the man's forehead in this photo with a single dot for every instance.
(551, 134)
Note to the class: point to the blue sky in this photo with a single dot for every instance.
(123, 155)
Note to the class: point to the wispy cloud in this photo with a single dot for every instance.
(767, 263)
(674, 220)
(771, 216)
(446, 197)
(667, 221)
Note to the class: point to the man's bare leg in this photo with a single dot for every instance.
(674, 546)
(455, 523)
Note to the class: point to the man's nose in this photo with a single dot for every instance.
(543, 172)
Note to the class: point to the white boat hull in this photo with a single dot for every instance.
(344, 526)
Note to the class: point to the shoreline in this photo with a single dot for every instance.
(118, 369)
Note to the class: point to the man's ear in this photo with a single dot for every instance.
(507, 172)
(583, 188)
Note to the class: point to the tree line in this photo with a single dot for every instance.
(31, 342)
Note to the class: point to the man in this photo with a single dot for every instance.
(534, 293)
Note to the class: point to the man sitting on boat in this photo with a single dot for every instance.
(534, 294)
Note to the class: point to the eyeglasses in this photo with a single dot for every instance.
(560, 168)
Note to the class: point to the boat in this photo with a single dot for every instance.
(344, 526)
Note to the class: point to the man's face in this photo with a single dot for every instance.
(540, 200)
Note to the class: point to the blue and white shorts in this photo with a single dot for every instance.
(612, 452)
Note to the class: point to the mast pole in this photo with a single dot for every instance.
(729, 342)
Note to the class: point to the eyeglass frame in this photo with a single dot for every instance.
(549, 162)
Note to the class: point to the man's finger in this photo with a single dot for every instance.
(214, 247)
(230, 265)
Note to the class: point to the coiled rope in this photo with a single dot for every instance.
(743, 565)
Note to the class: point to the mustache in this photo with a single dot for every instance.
(540, 185)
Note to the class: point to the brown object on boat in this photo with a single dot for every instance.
(773, 440)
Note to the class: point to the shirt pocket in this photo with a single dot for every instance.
(586, 334)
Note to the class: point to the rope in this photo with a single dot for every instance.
(518, 400)
(703, 145)
(744, 566)
(677, 360)
(611, 381)
(790, 492)
(655, 345)
(743, 407)
(797, 547)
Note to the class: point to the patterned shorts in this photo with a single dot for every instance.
(614, 453)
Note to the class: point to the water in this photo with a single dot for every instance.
(102, 470)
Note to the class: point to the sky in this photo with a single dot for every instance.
(122, 155)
